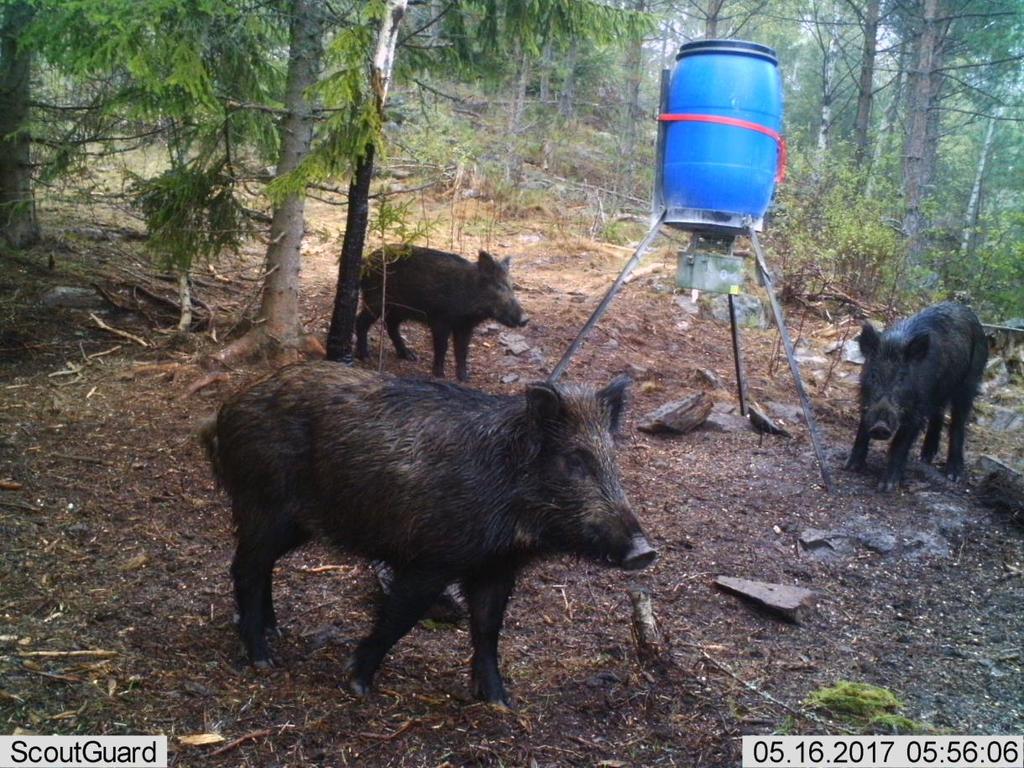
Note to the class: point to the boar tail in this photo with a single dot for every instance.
(208, 437)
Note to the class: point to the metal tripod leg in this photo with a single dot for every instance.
(603, 306)
(741, 380)
(794, 367)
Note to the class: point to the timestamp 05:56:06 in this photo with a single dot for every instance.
(883, 751)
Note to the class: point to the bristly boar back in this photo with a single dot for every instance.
(444, 483)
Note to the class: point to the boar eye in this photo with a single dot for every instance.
(576, 464)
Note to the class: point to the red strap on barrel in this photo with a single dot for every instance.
(780, 175)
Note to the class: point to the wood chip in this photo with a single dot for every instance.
(199, 739)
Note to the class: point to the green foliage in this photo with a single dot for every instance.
(192, 213)
(395, 220)
(831, 236)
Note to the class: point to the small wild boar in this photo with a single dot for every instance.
(445, 484)
(912, 372)
(443, 291)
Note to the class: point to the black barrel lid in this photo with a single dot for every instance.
(743, 47)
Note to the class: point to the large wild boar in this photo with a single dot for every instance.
(444, 483)
(912, 372)
(442, 290)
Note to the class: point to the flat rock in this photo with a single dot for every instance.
(722, 419)
(514, 343)
(72, 297)
(849, 350)
(688, 305)
(677, 417)
(749, 310)
(791, 603)
(708, 377)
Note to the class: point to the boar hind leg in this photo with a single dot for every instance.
(957, 428)
(252, 571)
(363, 322)
(488, 595)
(899, 449)
(393, 323)
(440, 332)
(931, 438)
(460, 339)
(412, 593)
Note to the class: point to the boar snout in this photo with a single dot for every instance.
(640, 554)
(880, 431)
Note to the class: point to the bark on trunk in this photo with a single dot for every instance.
(567, 97)
(830, 55)
(185, 301)
(18, 225)
(517, 108)
(346, 298)
(279, 330)
(632, 113)
(915, 156)
(884, 139)
(969, 236)
(865, 90)
(711, 23)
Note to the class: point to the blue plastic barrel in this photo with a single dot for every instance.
(721, 150)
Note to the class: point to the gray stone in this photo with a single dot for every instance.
(510, 378)
(850, 351)
(708, 377)
(825, 545)
(791, 603)
(926, 544)
(788, 412)
(881, 542)
(723, 419)
(1002, 419)
(997, 375)
(514, 343)
(677, 417)
(688, 305)
(72, 297)
(749, 310)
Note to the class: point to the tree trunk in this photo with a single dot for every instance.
(567, 96)
(346, 298)
(18, 225)
(973, 207)
(915, 155)
(184, 300)
(279, 330)
(885, 131)
(712, 19)
(631, 113)
(546, 62)
(517, 108)
(830, 55)
(865, 89)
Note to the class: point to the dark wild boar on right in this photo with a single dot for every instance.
(912, 373)
(443, 483)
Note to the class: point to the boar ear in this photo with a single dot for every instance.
(917, 347)
(543, 403)
(868, 340)
(486, 263)
(614, 399)
(506, 263)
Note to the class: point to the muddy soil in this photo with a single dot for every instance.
(115, 546)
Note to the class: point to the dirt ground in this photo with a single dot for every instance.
(116, 607)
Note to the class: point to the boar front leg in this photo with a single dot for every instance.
(488, 593)
(899, 448)
(412, 593)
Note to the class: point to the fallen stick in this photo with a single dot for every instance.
(117, 332)
(251, 736)
(10, 485)
(50, 654)
(390, 736)
(205, 381)
(650, 644)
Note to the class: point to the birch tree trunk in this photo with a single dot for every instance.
(973, 204)
(830, 55)
(279, 331)
(865, 88)
(346, 297)
(915, 156)
(18, 225)
(567, 96)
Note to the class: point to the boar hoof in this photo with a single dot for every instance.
(853, 465)
(888, 485)
(358, 687)
(263, 664)
(409, 355)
